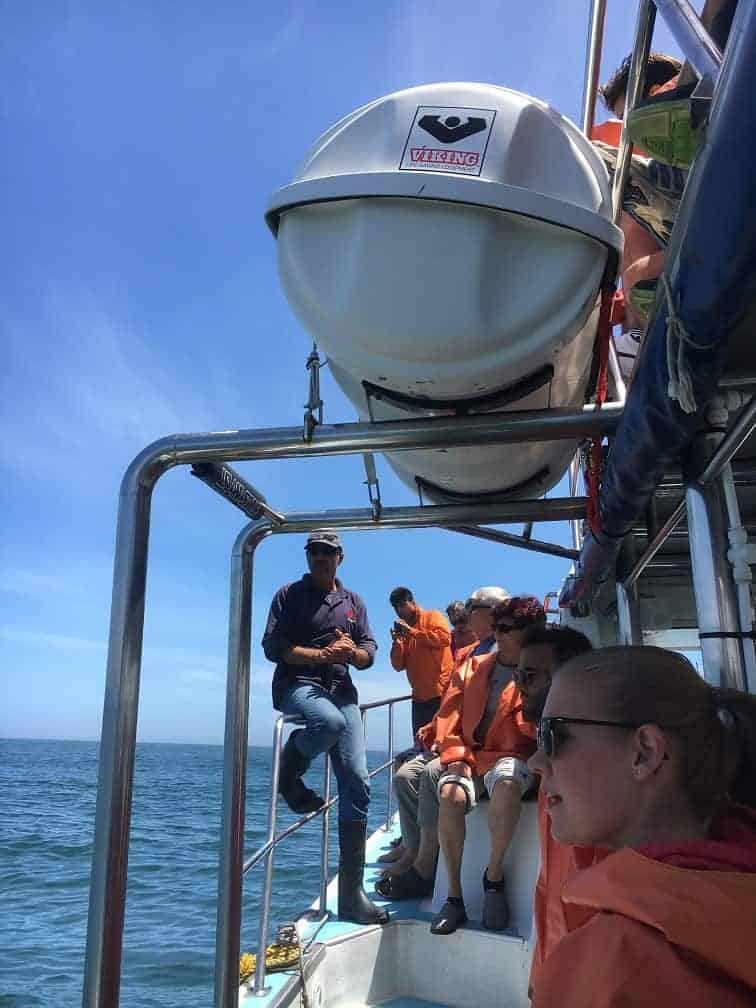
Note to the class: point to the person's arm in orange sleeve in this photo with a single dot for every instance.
(435, 633)
(637, 966)
(398, 660)
(451, 743)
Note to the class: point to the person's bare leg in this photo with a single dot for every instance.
(427, 855)
(451, 834)
(402, 863)
(395, 854)
(503, 815)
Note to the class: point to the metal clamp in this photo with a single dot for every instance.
(314, 404)
(374, 487)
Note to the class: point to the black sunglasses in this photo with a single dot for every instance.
(505, 628)
(317, 550)
(548, 736)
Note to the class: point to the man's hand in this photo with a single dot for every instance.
(459, 769)
(341, 648)
(402, 629)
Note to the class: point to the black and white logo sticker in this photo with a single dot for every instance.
(448, 140)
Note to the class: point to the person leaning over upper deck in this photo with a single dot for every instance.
(316, 629)
(484, 742)
(637, 753)
(544, 649)
(420, 646)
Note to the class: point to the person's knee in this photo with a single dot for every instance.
(331, 723)
(452, 797)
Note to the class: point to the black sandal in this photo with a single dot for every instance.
(410, 885)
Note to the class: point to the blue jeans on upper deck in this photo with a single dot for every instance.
(334, 725)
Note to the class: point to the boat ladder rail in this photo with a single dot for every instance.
(266, 852)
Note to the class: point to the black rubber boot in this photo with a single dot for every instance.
(292, 789)
(353, 903)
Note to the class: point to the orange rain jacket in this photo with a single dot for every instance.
(660, 934)
(461, 711)
(425, 654)
(559, 862)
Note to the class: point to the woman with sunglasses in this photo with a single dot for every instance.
(638, 754)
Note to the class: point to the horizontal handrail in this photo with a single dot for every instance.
(384, 703)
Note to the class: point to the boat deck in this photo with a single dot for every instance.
(401, 964)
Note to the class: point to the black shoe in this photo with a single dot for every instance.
(353, 902)
(292, 789)
(495, 905)
(450, 917)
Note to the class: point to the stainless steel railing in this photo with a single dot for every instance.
(267, 851)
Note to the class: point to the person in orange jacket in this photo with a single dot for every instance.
(416, 853)
(638, 754)
(477, 742)
(421, 646)
(544, 649)
(484, 742)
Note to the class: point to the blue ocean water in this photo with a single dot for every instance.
(47, 803)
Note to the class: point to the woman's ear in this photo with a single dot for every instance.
(650, 751)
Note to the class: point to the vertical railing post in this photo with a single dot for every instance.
(107, 892)
(390, 785)
(323, 904)
(644, 29)
(593, 63)
(713, 585)
(236, 743)
(628, 615)
(262, 942)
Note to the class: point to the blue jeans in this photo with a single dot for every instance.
(334, 725)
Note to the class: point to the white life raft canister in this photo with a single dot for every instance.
(445, 246)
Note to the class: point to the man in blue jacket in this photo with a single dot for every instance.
(316, 629)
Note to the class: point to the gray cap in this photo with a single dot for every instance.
(326, 538)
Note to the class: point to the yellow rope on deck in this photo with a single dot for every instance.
(278, 956)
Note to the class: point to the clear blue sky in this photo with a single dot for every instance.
(140, 298)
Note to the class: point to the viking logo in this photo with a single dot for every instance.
(452, 129)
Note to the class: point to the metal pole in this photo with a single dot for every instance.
(742, 578)
(438, 515)
(521, 542)
(260, 990)
(107, 893)
(511, 427)
(628, 615)
(736, 436)
(390, 785)
(713, 586)
(656, 544)
(576, 526)
(695, 42)
(644, 29)
(593, 63)
(236, 743)
(324, 838)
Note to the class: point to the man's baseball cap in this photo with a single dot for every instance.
(326, 538)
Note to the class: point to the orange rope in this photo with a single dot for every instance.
(593, 473)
